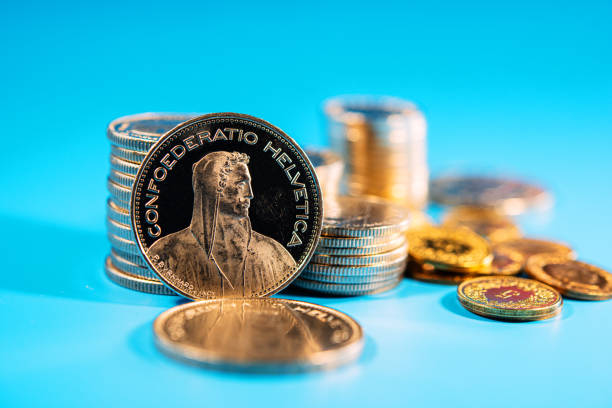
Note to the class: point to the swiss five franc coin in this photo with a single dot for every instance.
(226, 205)
(258, 334)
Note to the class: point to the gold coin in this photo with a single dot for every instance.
(135, 282)
(449, 248)
(575, 279)
(428, 273)
(486, 222)
(529, 247)
(258, 334)
(509, 298)
(505, 262)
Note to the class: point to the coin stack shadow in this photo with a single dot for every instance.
(131, 138)
(382, 142)
(352, 261)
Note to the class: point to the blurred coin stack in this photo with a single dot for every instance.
(362, 250)
(131, 138)
(328, 166)
(383, 145)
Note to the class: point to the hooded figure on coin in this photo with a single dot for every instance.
(219, 253)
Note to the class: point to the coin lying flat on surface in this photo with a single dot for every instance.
(508, 196)
(458, 249)
(529, 247)
(259, 334)
(575, 279)
(427, 273)
(484, 221)
(226, 205)
(509, 298)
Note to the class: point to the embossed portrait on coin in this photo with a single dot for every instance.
(570, 273)
(219, 252)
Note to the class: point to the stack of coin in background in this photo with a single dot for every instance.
(328, 166)
(131, 138)
(362, 250)
(383, 145)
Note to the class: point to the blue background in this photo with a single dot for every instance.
(523, 88)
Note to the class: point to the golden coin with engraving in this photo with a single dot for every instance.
(575, 279)
(486, 222)
(258, 335)
(458, 249)
(509, 298)
(505, 262)
(529, 247)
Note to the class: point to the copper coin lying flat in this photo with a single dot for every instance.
(258, 334)
(509, 298)
(226, 205)
(575, 279)
(529, 247)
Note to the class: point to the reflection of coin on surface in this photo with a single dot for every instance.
(202, 202)
(259, 334)
(509, 298)
(574, 279)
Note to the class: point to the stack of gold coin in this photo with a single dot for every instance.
(362, 250)
(328, 166)
(131, 137)
(383, 145)
(453, 254)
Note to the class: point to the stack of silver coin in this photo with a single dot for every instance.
(131, 138)
(383, 144)
(362, 250)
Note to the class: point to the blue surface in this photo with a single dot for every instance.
(522, 88)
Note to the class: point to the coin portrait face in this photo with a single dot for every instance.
(568, 273)
(226, 205)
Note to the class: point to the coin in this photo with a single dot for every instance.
(575, 279)
(226, 205)
(123, 166)
(124, 245)
(484, 221)
(119, 230)
(509, 298)
(505, 262)
(427, 273)
(140, 132)
(452, 248)
(364, 250)
(391, 274)
(116, 213)
(123, 179)
(135, 282)
(328, 166)
(118, 192)
(134, 156)
(506, 195)
(365, 260)
(355, 242)
(529, 247)
(348, 289)
(364, 216)
(376, 269)
(128, 266)
(259, 335)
